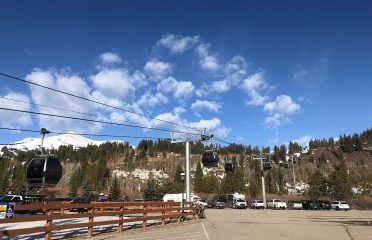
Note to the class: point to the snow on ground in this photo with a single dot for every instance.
(142, 174)
(62, 234)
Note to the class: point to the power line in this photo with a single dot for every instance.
(96, 121)
(220, 140)
(56, 108)
(73, 133)
(90, 100)
(46, 106)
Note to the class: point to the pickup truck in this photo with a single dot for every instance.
(276, 204)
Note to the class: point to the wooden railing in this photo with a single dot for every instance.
(127, 212)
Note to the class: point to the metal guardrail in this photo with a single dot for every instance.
(162, 211)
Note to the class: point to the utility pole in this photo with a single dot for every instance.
(294, 175)
(262, 180)
(203, 137)
(188, 182)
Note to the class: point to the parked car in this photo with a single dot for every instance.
(294, 204)
(340, 205)
(81, 200)
(276, 204)
(218, 204)
(257, 204)
(325, 205)
(202, 202)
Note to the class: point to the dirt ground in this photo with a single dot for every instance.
(288, 224)
(236, 224)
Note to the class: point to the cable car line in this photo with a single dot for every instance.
(91, 100)
(81, 134)
(96, 121)
(63, 109)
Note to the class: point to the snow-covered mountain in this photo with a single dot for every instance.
(56, 141)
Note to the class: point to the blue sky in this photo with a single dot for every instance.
(251, 72)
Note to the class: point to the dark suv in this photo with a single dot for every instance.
(218, 204)
(325, 205)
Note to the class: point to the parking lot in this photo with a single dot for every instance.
(229, 223)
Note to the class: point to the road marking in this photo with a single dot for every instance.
(205, 231)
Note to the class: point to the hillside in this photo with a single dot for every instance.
(94, 164)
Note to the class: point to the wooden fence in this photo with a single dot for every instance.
(127, 212)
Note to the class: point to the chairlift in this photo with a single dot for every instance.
(210, 159)
(44, 170)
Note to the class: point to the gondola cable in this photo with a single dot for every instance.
(91, 100)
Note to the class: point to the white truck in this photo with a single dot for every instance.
(236, 200)
(276, 204)
(177, 197)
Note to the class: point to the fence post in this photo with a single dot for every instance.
(194, 213)
(178, 211)
(121, 217)
(144, 225)
(91, 220)
(48, 235)
(163, 215)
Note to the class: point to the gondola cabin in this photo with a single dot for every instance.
(267, 166)
(44, 171)
(210, 159)
(229, 167)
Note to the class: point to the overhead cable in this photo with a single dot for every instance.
(96, 121)
(73, 133)
(91, 100)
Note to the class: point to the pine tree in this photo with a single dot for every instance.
(18, 180)
(87, 189)
(276, 154)
(283, 152)
(238, 180)
(318, 185)
(199, 179)
(339, 183)
(115, 189)
(178, 183)
(152, 190)
(254, 188)
(73, 189)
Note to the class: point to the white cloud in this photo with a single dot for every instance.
(180, 89)
(67, 82)
(178, 44)
(149, 100)
(252, 85)
(275, 120)
(221, 86)
(240, 138)
(280, 110)
(117, 83)
(303, 141)
(110, 58)
(209, 105)
(157, 69)
(13, 119)
(300, 73)
(236, 70)
(212, 126)
(282, 105)
(207, 60)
